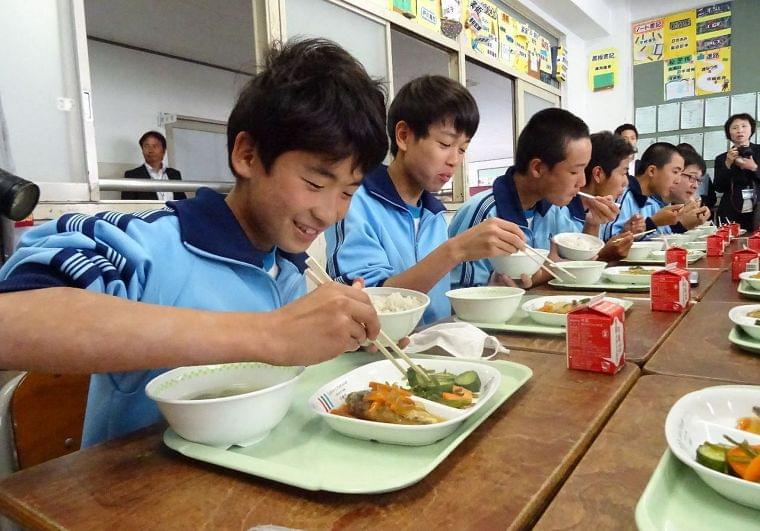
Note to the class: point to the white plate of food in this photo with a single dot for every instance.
(372, 402)
(703, 429)
(747, 317)
(630, 274)
(552, 310)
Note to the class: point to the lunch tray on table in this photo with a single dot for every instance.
(748, 291)
(690, 259)
(676, 499)
(602, 285)
(305, 452)
(521, 322)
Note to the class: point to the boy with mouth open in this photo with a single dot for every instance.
(394, 233)
(211, 279)
(553, 151)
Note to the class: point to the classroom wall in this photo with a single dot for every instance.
(130, 88)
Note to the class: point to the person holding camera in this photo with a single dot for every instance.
(736, 172)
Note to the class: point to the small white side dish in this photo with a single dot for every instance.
(485, 304)
(514, 265)
(707, 415)
(398, 324)
(577, 246)
(241, 419)
(749, 278)
(738, 316)
(555, 319)
(621, 275)
(333, 394)
(584, 271)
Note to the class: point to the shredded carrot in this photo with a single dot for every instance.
(740, 462)
(752, 473)
(391, 396)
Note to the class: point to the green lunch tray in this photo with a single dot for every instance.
(748, 291)
(743, 340)
(677, 500)
(305, 452)
(521, 323)
(602, 285)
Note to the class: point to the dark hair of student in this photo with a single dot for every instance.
(690, 156)
(429, 100)
(627, 127)
(607, 151)
(155, 134)
(545, 137)
(740, 116)
(312, 96)
(658, 155)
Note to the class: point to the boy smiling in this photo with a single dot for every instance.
(394, 233)
(210, 279)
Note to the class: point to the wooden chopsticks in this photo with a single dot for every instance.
(319, 276)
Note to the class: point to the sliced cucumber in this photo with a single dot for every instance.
(469, 380)
(713, 456)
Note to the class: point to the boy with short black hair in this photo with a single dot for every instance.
(660, 171)
(686, 191)
(125, 294)
(552, 153)
(394, 233)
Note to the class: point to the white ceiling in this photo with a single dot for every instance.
(217, 33)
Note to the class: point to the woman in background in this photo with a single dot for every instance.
(736, 172)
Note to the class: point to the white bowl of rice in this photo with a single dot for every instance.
(398, 309)
(578, 246)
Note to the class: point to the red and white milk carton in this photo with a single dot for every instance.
(596, 337)
(725, 233)
(753, 242)
(676, 255)
(715, 245)
(744, 260)
(670, 290)
(735, 228)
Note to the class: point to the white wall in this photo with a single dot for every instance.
(130, 88)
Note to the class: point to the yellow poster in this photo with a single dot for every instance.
(561, 73)
(520, 55)
(679, 75)
(483, 28)
(680, 34)
(603, 69)
(713, 71)
(429, 14)
(647, 41)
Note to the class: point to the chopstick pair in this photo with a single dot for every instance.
(538, 259)
(595, 197)
(319, 276)
(640, 234)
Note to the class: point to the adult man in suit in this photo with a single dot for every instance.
(153, 145)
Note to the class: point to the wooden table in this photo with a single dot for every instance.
(724, 290)
(502, 476)
(645, 330)
(699, 347)
(602, 492)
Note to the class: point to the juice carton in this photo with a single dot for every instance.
(715, 245)
(596, 337)
(676, 255)
(744, 260)
(670, 291)
(753, 242)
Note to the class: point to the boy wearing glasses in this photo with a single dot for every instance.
(686, 191)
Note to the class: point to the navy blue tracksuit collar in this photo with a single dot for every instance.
(378, 182)
(635, 188)
(508, 204)
(577, 210)
(208, 224)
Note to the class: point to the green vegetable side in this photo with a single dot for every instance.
(454, 390)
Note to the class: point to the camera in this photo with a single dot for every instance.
(745, 152)
(18, 197)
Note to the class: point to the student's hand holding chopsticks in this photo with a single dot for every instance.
(493, 237)
(330, 320)
(667, 215)
(635, 224)
(601, 209)
(616, 247)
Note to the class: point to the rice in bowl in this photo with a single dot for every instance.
(395, 302)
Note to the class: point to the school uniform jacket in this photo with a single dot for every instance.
(377, 239)
(503, 201)
(633, 201)
(190, 254)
